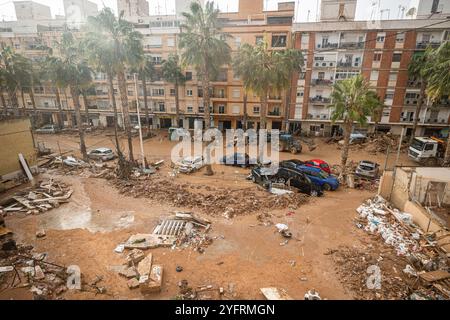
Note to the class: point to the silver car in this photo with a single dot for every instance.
(103, 154)
(367, 169)
(48, 128)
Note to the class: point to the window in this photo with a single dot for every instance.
(374, 75)
(172, 92)
(171, 42)
(161, 106)
(259, 39)
(237, 42)
(157, 59)
(236, 93)
(189, 92)
(279, 41)
(377, 56)
(380, 38)
(158, 92)
(299, 93)
(429, 146)
(400, 37)
(392, 76)
(396, 57)
(236, 109)
(200, 92)
(155, 42)
(389, 96)
(236, 77)
(190, 109)
(255, 109)
(221, 109)
(188, 76)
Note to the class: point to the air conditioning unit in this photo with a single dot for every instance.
(442, 120)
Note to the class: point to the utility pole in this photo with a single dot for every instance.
(400, 145)
(139, 120)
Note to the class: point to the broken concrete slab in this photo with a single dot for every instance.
(135, 256)
(148, 241)
(133, 283)
(272, 293)
(145, 266)
(129, 272)
(152, 283)
(38, 273)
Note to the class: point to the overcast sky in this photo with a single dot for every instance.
(306, 9)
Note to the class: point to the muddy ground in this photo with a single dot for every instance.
(245, 254)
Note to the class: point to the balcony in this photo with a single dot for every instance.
(425, 44)
(274, 113)
(351, 45)
(218, 95)
(274, 97)
(321, 82)
(327, 45)
(319, 99)
(413, 83)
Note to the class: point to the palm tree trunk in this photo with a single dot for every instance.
(86, 108)
(206, 98)
(126, 114)
(114, 105)
(418, 109)
(59, 105)
(447, 151)
(68, 113)
(76, 104)
(348, 125)
(177, 105)
(144, 88)
(14, 101)
(24, 107)
(37, 119)
(245, 120)
(2, 97)
(263, 111)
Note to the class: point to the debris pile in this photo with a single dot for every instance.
(211, 200)
(47, 195)
(23, 268)
(411, 264)
(380, 143)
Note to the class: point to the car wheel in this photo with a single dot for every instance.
(253, 179)
(293, 150)
(281, 180)
(326, 187)
(314, 193)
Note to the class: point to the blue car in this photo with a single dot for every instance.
(319, 177)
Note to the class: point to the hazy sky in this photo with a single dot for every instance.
(306, 9)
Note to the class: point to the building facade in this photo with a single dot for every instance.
(133, 9)
(29, 10)
(160, 39)
(339, 48)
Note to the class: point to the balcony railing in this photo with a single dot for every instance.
(327, 45)
(274, 113)
(320, 99)
(320, 82)
(351, 45)
(425, 44)
(219, 95)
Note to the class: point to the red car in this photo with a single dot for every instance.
(317, 163)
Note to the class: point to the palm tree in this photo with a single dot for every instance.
(204, 46)
(9, 75)
(417, 70)
(171, 72)
(75, 74)
(352, 101)
(124, 50)
(264, 71)
(438, 78)
(146, 71)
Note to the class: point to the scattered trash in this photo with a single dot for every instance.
(275, 294)
(179, 268)
(312, 295)
(40, 234)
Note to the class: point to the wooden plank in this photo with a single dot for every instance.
(24, 202)
(433, 276)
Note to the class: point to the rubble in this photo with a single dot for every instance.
(275, 294)
(47, 195)
(213, 201)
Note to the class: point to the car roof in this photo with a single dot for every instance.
(103, 149)
(368, 162)
(316, 169)
(317, 160)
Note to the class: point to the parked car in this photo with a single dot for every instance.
(103, 154)
(317, 163)
(48, 128)
(367, 169)
(189, 164)
(242, 160)
(357, 137)
(262, 176)
(319, 177)
(299, 180)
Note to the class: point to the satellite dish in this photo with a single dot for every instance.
(411, 12)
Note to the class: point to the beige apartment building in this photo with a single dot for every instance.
(160, 39)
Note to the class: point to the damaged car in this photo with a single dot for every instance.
(189, 164)
(367, 169)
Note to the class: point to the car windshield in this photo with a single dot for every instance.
(417, 144)
(366, 167)
(323, 174)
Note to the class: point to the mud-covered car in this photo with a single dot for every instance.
(367, 169)
(189, 164)
(103, 154)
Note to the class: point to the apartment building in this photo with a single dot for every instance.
(160, 38)
(29, 10)
(338, 48)
(133, 9)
